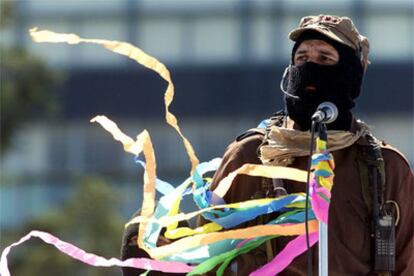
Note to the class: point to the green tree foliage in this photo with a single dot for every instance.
(25, 84)
(89, 220)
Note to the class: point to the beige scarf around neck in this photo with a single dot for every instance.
(284, 144)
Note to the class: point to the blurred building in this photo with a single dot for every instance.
(226, 59)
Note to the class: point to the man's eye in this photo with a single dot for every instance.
(326, 59)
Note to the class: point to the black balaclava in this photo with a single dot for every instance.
(339, 84)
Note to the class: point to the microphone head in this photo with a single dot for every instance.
(330, 110)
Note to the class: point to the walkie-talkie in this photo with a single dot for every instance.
(384, 224)
(385, 243)
(385, 213)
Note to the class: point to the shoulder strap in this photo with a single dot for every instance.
(372, 174)
(264, 128)
(370, 160)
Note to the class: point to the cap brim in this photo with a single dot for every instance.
(295, 34)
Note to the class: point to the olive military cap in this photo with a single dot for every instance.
(338, 28)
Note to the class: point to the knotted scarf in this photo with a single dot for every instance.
(282, 144)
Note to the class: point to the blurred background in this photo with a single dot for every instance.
(61, 174)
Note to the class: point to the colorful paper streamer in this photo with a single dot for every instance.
(92, 259)
(215, 243)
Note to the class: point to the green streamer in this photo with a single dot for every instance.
(227, 257)
(243, 249)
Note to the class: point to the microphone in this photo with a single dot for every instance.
(326, 113)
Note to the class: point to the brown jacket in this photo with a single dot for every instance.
(349, 221)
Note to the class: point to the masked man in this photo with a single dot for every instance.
(328, 63)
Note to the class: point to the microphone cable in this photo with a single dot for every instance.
(309, 252)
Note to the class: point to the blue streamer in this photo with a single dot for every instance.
(323, 173)
(318, 157)
(241, 216)
(160, 185)
(166, 201)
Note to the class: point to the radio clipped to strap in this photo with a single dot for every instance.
(384, 213)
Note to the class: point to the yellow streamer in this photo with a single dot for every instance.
(212, 226)
(323, 165)
(127, 49)
(167, 220)
(186, 231)
(325, 182)
(131, 146)
(245, 233)
(260, 170)
(143, 143)
(173, 211)
(321, 145)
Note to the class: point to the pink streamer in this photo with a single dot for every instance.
(92, 259)
(240, 244)
(293, 249)
(319, 205)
